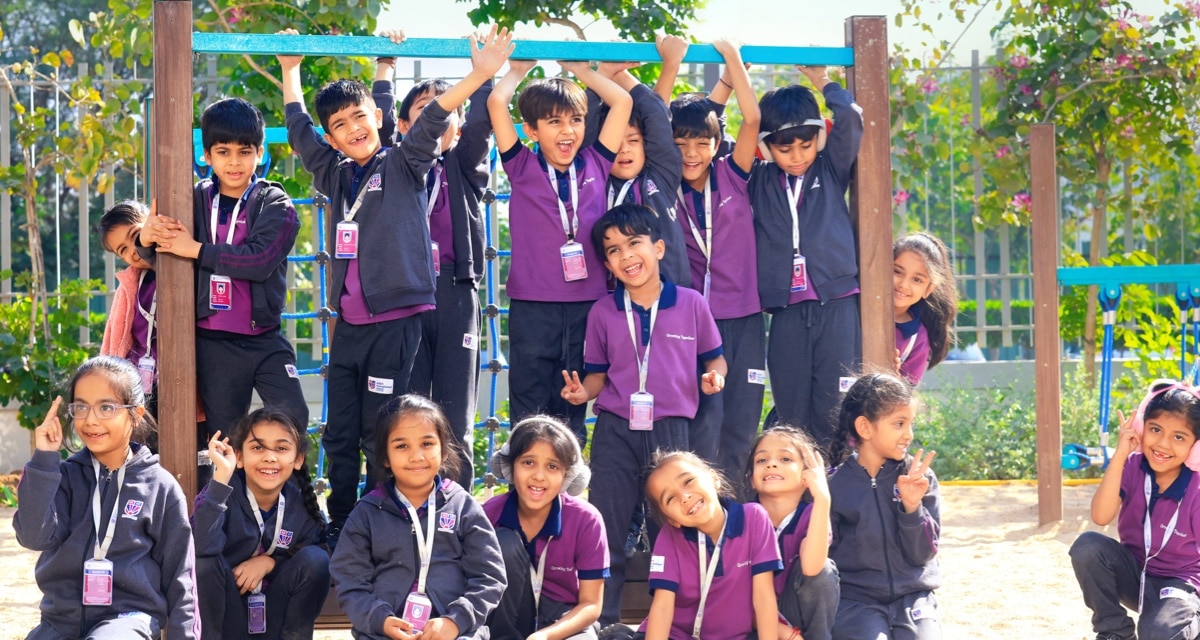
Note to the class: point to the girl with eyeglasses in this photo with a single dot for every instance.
(112, 525)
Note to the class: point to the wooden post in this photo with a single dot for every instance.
(1046, 342)
(171, 163)
(871, 194)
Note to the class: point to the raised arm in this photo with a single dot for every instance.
(747, 138)
(672, 49)
(486, 60)
(290, 71)
(1106, 503)
(500, 99)
(846, 136)
(620, 104)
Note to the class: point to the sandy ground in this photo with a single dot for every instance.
(1004, 576)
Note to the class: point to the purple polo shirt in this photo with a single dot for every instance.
(1181, 557)
(579, 550)
(735, 258)
(238, 318)
(913, 366)
(441, 229)
(788, 541)
(685, 335)
(145, 301)
(536, 229)
(748, 550)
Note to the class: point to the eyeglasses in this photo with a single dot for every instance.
(104, 410)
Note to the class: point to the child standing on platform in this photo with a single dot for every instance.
(807, 258)
(260, 563)
(554, 546)
(926, 299)
(558, 194)
(383, 272)
(1151, 487)
(645, 399)
(886, 516)
(784, 466)
(112, 525)
(418, 556)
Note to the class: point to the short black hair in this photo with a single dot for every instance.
(544, 99)
(125, 213)
(232, 121)
(338, 95)
(437, 85)
(696, 119)
(630, 219)
(788, 105)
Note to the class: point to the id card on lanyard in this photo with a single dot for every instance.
(220, 288)
(1147, 531)
(571, 254)
(799, 281)
(708, 570)
(146, 364)
(256, 602)
(641, 404)
(345, 239)
(705, 241)
(98, 570)
(538, 577)
(437, 172)
(615, 198)
(417, 606)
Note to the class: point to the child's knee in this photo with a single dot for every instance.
(312, 565)
(1089, 547)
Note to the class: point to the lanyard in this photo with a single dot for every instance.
(708, 569)
(786, 521)
(795, 197)
(262, 527)
(424, 541)
(644, 359)
(437, 187)
(570, 226)
(103, 537)
(348, 214)
(908, 350)
(539, 572)
(1147, 530)
(216, 199)
(619, 197)
(148, 315)
(705, 243)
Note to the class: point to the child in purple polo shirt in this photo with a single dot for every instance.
(784, 466)
(644, 344)
(1151, 487)
(557, 195)
(926, 302)
(555, 554)
(712, 572)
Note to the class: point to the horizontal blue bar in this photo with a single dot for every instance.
(301, 258)
(274, 135)
(1117, 276)
(373, 46)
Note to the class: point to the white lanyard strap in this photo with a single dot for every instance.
(795, 197)
(704, 243)
(437, 187)
(708, 570)
(644, 359)
(786, 521)
(615, 198)
(424, 541)
(215, 214)
(104, 536)
(262, 527)
(148, 315)
(1147, 530)
(348, 214)
(570, 225)
(538, 574)
(908, 348)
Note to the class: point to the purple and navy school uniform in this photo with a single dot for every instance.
(579, 550)
(145, 300)
(914, 365)
(237, 319)
(1180, 558)
(536, 229)
(735, 258)
(748, 550)
(684, 334)
(788, 541)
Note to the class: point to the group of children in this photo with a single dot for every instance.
(660, 226)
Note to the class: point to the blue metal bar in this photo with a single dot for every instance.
(1116, 276)
(1110, 299)
(374, 46)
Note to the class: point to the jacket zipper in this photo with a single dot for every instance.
(883, 529)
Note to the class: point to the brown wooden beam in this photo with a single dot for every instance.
(171, 161)
(1047, 346)
(871, 193)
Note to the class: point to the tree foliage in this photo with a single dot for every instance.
(637, 20)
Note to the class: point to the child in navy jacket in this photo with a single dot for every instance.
(139, 570)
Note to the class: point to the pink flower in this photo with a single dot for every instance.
(1020, 62)
(1192, 7)
(235, 15)
(900, 197)
(1123, 60)
(1127, 132)
(1021, 201)
(929, 84)
(1003, 152)
(1122, 23)
(1026, 89)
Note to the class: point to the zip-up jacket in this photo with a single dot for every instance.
(395, 260)
(881, 552)
(375, 564)
(826, 234)
(272, 226)
(151, 549)
(467, 176)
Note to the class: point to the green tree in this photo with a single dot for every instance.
(636, 20)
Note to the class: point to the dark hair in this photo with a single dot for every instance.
(696, 120)
(797, 438)
(1180, 402)
(412, 404)
(546, 429)
(663, 458)
(542, 99)
(338, 95)
(436, 86)
(124, 213)
(789, 105)
(232, 120)
(245, 431)
(126, 384)
(630, 219)
(941, 306)
(684, 99)
(873, 396)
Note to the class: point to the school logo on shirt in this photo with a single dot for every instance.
(724, 201)
(446, 521)
(284, 539)
(816, 183)
(657, 564)
(679, 336)
(651, 188)
(587, 181)
(375, 183)
(132, 509)
(379, 385)
(896, 493)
